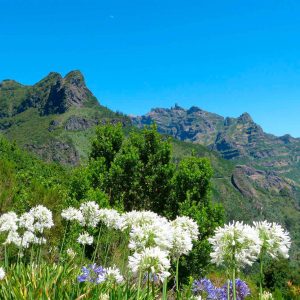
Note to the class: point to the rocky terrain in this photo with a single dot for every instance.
(54, 118)
(239, 139)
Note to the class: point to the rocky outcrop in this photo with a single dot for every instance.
(52, 95)
(249, 180)
(234, 138)
(56, 151)
(79, 123)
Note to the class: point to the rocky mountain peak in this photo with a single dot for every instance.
(75, 78)
(53, 94)
(194, 109)
(245, 118)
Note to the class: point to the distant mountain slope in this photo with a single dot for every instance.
(239, 139)
(53, 118)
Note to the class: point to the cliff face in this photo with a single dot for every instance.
(239, 139)
(53, 118)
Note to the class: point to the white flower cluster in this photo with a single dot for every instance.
(113, 275)
(111, 218)
(185, 231)
(72, 214)
(245, 243)
(22, 231)
(151, 236)
(152, 259)
(275, 240)
(157, 233)
(156, 240)
(236, 240)
(85, 239)
(2, 273)
(89, 215)
(266, 296)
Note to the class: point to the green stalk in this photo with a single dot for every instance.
(31, 254)
(83, 253)
(107, 248)
(153, 288)
(139, 285)
(164, 295)
(261, 276)
(233, 284)
(63, 241)
(228, 289)
(40, 252)
(176, 278)
(97, 245)
(148, 285)
(6, 256)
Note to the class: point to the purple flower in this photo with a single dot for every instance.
(242, 290)
(205, 287)
(92, 273)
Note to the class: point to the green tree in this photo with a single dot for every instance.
(107, 142)
(141, 174)
(192, 191)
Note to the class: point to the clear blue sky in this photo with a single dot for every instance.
(223, 56)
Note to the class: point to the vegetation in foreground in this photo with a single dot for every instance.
(148, 246)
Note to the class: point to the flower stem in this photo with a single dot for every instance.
(139, 285)
(148, 284)
(107, 249)
(228, 289)
(164, 296)
(176, 278)
(97, 245)
(261, 277)
(83, 253)
(153, 288)
(233, 284)
(6, 256)
(63, 241)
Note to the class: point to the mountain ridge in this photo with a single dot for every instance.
(239, 139)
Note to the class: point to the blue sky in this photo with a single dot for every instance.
(226, 57)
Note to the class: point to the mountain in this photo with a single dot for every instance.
(53, 118)
(239, 139)
(256, 175)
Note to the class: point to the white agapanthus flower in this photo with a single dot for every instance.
(72, 214)
(71, 253)
(2, 273)
(42, 218)
(85, 239)
(113, 275)
(158, 233)
(26, 221)
(8, 222)
(39, 240)
(111, 218)
(275, 240)
(182, 242)
(235, 240)
(187, 224)
(266, 296)
(27, 239)
(139, 218)
(153, 259)
(13, 237)
(90, 212)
